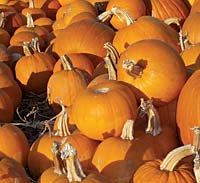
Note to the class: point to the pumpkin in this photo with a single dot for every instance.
(12, 171)
(147, 64)
(191, 29)
(161, 172)
(187, 114)
(11, 87)
(79, 60)
(111, 104)
(134, 10)
(66, 84)
(35, 12)
(4, 35)
(44, 22)
(67, 167)
(5, 56)
(35, 78)
(195, 6)
(7, 107)
(40, 156)
(191, 58)
(89, 40)
(82, 16)
(4, 69)
(157, 29)
(136, 147)
(64, 2)
(14, 143)
(167, 9)
(18, 5)
(50, 7)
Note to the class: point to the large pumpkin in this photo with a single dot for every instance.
(89, 40)
(137, 31)
(154, 68)
(188, 113)
(103, 109)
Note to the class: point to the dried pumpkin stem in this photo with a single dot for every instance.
(29, 21)
(26, 48)
(125, 16)
(2, 19)
(173, 157)
(127, 131)
(105, 16)
(173, 20)
(71, 162)
(63, 129)
(146, 107)
(112, 52)
(58, 163)
(35, 44)
(132, 68)
(183, 40)
(67, 63)
(31, 4)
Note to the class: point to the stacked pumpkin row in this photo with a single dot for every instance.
(120, 77)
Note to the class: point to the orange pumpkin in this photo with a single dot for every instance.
(14, 144)
(154, 68)
(191, 29)
(40, 69)
(137, 31)
(89, 40)
(12, 171)
(114, 104)
(188, 114)
(66, 84)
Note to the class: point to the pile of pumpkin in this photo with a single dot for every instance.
(122, 80)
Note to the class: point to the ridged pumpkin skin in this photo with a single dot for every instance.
(163, 74)
(100, 111)
(192, 28)
(188, 113)
(195, 6)
(134, 9)
(150, 173)
(12, 171)
(124, 156)
(14, 143)
(34, 78)
(137, 31)
(89, 40)
(164, 9)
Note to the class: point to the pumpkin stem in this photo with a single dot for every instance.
(105, 16)
(35, 44)
(173, 157)
(29, 22)
(127, 131)
(26, 48)
(111, 60)
(67, 63)
(71, 162)
(31, 4)
(133, 69)
(58, 163)
(184, 42)
(173, 20)
(2, 19)
(117, 12)
(63, 129)
(146, 107)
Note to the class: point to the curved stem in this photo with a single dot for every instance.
(66, 62)
(105, 16)
(173, 157)
(58, 163)
(26, 48)
(127, 131)
(146, 107)
(112, 52)
(35, 45)
(173, 20)
(73, 166)
(63, 129)
(133, 69)
(2, 19)
(117, 12)
(29, 22)
(183, 40)
(31, 4)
